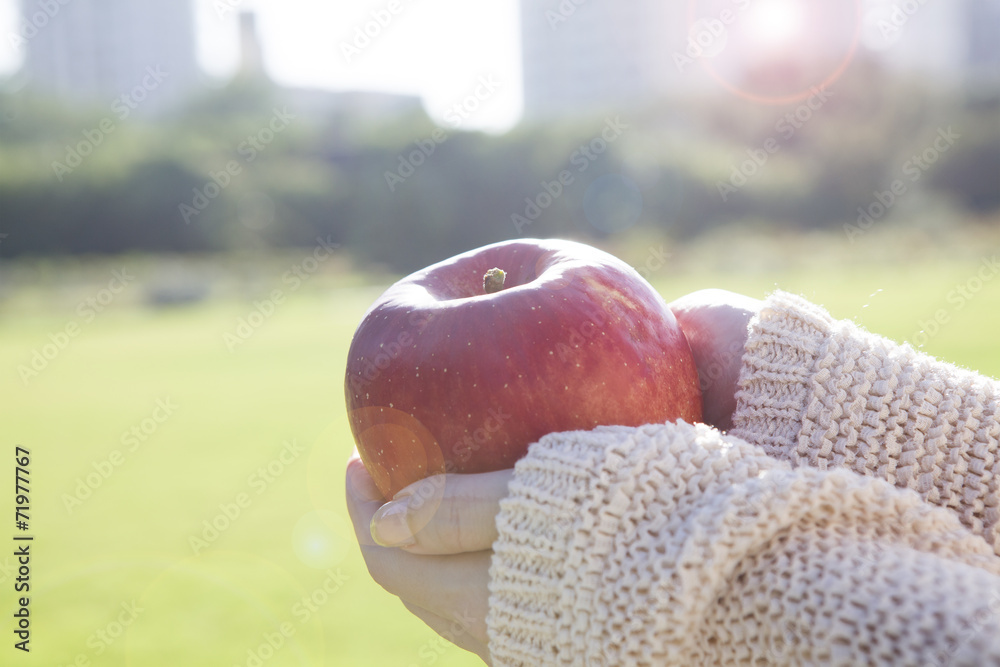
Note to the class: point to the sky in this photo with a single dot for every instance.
(438, 49)
(442, 50)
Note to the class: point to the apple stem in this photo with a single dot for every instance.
(493, 280)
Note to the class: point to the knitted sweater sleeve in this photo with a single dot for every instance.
(826, 394)
(673, 544)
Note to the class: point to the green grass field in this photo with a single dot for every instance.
(147, 429)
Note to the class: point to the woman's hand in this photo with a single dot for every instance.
(430, 546)
(715, 323)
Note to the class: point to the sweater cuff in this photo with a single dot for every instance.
(670, 544)
(535, 524)
(785, 341)
(586, 514)
(827, 394)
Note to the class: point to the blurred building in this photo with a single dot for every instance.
(581, 56)
(983, 20)
(584, 55)
(251, 51)
(956, 42)
(926, 38)
(316, 103)
(95, 51)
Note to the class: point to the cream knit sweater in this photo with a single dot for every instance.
(859, 527)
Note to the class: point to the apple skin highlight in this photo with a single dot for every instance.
(444, 377)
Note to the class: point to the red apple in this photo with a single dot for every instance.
(445, 374)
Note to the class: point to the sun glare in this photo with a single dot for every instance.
(775, 24)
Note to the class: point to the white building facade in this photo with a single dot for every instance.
(91, 51)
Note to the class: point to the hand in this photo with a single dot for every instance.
(715, 323)
(430, 546)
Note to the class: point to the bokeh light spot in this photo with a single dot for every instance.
(321, 539)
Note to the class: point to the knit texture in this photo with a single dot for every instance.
(860, 527)
(675, 545)
(827, 394)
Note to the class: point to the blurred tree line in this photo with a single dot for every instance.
(241, 168)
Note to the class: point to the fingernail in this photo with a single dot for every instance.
(390, 527)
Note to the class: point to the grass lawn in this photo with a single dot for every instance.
(187, 498)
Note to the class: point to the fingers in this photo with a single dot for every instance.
(716, 298)
(451, 590)
(452, 587)
(715, 324)
(363, 499)
(444, 514)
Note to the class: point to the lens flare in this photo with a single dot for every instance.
(321, 539)
(775, 24)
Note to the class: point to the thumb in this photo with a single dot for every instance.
(444, 514)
